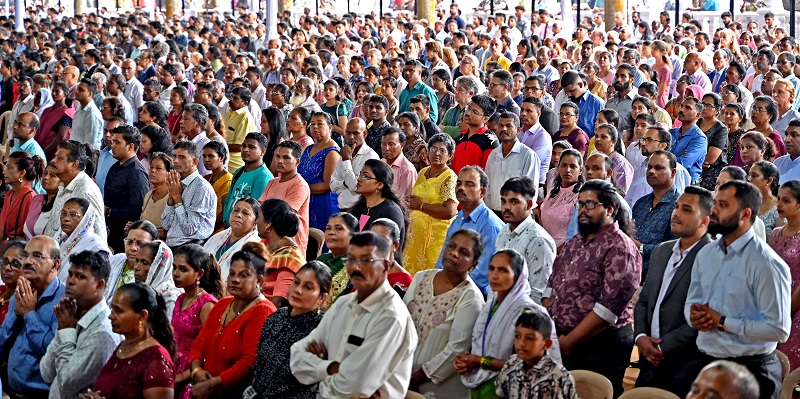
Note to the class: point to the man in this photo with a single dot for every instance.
(70, 76)
(589, 105)
(500, 85)
(107, 60)
(87, 124)
(84, 340)
(455, 15)
(651, 213)
(405, 174)
(693, 66)
(534, 136)
(734, 76)
(69, 164)
(251, 179)
(739, 262)
(788, 164)
(786, 62)
(238, 122)
(191, 209)
(290, 186)
(655, 138)
(510, 159)
(522, 233)
(23, 130)
(272, 73)
(543, 57)
(412, 73)
(193, 122)
(253, 75)
(377, 109)
(134, 90)
(593, 319)
(125, 185)
(106, 158)
(24, 102)
(689, 143)
(724, 379)
(475, 144)
(354, 155)
(365, 344)
(466, 87)
(496, 54)
(421, 106)
(166, 76)
(622, 101)
(721, 59)
(764, 60)
(145, 65)
(152, 89)
(669, 358)
(116, 83)
(31, 322)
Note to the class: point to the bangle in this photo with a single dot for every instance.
(194, 371)
(421, 205)
(486, 362)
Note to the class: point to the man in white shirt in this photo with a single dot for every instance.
(354, 155)
(167, 79)
(510, 159)
(365, 343)
(87, 124)
(134, 90)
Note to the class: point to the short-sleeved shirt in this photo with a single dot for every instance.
(238, 123)
(245, 184)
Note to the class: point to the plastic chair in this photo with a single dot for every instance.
(648, 393)
(316, 239)
(785, 368)
(414, 395)
(789, 384)
(591, 385)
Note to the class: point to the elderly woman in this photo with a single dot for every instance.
(717, 134)
(139, 233)
(444, 305)
(243, 230)
(493, 333)
(432, 205)
(154, 268)
(278, 224)
(765, 113)
(316, 167)
(11, 272)
(783, 93)
(77, 218)
(226, 348)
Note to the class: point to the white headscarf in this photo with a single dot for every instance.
(218, 240)
(494, 336)
(81, 239)
(159, 277)
(45, 101)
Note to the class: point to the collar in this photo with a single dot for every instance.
(631, 94)
(51, 289)
(239, 111)
(535, 129)
(524, 225)
(671, 196)
(738, 244)
(516, 149)
(676, 250)
(467, 137)
(476, 214)
(77, 180)
(606, 231)
(99, 309)
(189, 179)
(398, 162)
(363, 150)
(127, 162)
(374, 299)
(199, 137)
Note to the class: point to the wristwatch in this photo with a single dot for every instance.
(721, 325)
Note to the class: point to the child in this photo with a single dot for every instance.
(531, 373)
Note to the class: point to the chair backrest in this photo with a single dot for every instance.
(316, 239)
(648, 393)
(414, 395)
(591, 385)
(785, 368)
(789, 383)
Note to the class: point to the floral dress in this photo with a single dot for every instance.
(322, 206)
(186, 325)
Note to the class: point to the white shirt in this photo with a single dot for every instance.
(134, 94)
(520, 161)
(536, 246)
(260, 97)
(373, 341)
(345, 176)
(673, 264)
(20, 107)
(163, 97)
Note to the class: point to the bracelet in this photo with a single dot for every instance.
(486, 362)
(421, 205)
(196, 369)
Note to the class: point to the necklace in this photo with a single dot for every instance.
(185, 305)
(120, 352)
(230, 310)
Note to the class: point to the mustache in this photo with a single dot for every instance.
(356, 274)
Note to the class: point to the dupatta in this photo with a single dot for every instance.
(218, 241)
(50, 117)
(159, 277)
(45, 101)
(82, 239)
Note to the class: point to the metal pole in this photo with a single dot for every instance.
(677, 14)
(317, 1)
(578, 16)
(792, 18)
(491, 7)
(733, 12)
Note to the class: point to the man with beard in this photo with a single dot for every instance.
(655, 138)
(593, 318)
(670, 359)
(303, 95)
(740, 296)
(689, 143)
(622, 101)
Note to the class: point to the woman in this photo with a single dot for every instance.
(155, 201)
(273, 126)
(445, 93)
(570, 131)
(359, 110)
(556, 210)
(139, 233)
(493, 334)
(42, 204)
(225, 349)
(142, 366)
(112, 107)
(783, 93)
(765, 113)
(444, 305)
(154, 139)
(645, 33)
(606, 73)
(316, 167)
(215, 155)
(754, 148)
(21, 169)
(378, 199)
(278, 223)
(297, 126)
(607, 141)
(55, 125)
(272, 377)
(154, 267)
(731, 94)
(77, 218)
(11, 272)
(765, 176)
(717, 134)
(153, 114)
(734, 117)
(229, 241)
(414, 147)
(596, 86)
(341, 226)
(195, 271)
(398, 277)
(42, 101)
(432, 206)
(663, 68)
(178, 99)
(785, 241)
(674, 105)
(333, 106)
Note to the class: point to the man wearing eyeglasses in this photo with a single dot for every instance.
(655, 139)
(354, 155)
(31, 322)
(364, 346)
(475, 144)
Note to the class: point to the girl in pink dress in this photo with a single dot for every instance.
(556, 210)
(786, 242)
(196, 271)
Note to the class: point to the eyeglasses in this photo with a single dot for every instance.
(473, 111)
(759, 109)
(138, 243)
(566, 114)
(649, 140)
(437, 151)
(708, 106)
(15, 264)
(364, 177)
(34, 257)
(589, 205)
(72, 216)
(363, 261)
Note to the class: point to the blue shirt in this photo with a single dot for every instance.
(589, 106)
(572, 230)
(749, 284)
(29, 337)
(788, 167)
(33, 148)
(488, 225)
(690, 149)
(104, 162)
(419, 88)
(711, 5)
(653, 223)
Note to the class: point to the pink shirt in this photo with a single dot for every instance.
(297, 194)
(405, 175)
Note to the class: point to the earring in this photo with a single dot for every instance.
(141, 326)
(197, 282)
(20, 180)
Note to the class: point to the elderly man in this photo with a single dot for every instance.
(354, 155)
(134, 90)
(31, 322)
(724, 379)
(365, 344)
(193, 124)
(693, 65)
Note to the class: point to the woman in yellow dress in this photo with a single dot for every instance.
(433, 206)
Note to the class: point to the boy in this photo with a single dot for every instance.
(531, 373)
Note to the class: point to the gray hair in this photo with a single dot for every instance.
(100, 78)
(745, 381)
(198, 113)
(469, 83)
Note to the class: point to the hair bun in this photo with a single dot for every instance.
(257, 248)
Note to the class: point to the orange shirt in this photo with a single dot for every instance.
(296, 193)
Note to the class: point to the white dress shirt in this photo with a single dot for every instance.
(674, 263)
(133, 92)
(373, 341)
(345, 176)
(520, 161)
(537, 247)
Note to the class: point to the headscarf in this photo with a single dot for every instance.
(45, 101)
(681, 51)
(493, 335)
(117, 278)
(697, 92)
(159, 277)
(82, 238)
(217, 241)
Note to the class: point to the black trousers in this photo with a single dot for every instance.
(675, 373)
(767, 370)
(607, 353)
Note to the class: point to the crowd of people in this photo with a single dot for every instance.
(370, 205)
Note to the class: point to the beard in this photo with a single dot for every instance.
(723, 227)
(619, 87)
(297, 99)
(590, 227)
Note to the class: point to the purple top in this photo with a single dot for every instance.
(578, 138)
(537, 139)
(601, 274)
